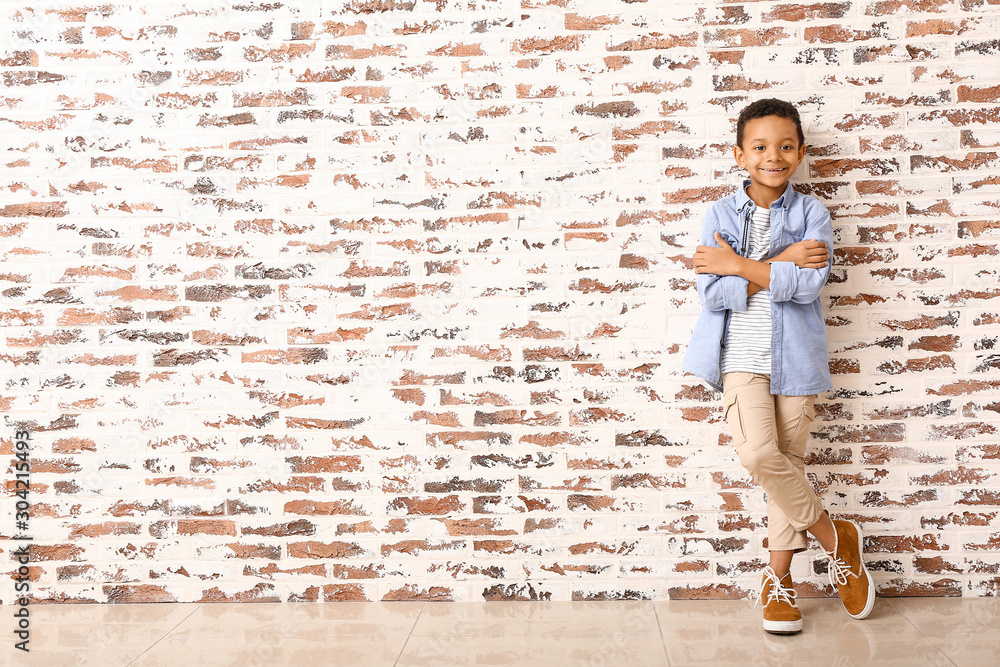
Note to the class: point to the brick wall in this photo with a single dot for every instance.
(387, 299)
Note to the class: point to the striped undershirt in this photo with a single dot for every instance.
(748, 344)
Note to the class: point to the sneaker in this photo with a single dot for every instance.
(781, 615)
(847, 570)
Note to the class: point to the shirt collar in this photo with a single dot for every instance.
(784, 200)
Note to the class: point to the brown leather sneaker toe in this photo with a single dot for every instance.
(781, 615)
(848, 572)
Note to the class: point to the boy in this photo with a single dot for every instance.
(761, 340)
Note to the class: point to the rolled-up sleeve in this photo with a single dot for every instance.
(719, 292)
(794, 283)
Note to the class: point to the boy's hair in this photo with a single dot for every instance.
(768, 107)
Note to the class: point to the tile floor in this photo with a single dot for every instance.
(900, 631)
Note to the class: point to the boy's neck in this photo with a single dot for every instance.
(763, 195)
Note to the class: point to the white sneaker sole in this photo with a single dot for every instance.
(783, 627)
(871, 583)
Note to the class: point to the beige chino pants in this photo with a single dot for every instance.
(770, 433)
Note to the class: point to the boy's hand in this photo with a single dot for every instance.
(722, 261)
(808, 254)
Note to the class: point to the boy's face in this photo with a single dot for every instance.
(771, 151)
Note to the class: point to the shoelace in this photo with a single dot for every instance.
(777, 592)
(836, 568)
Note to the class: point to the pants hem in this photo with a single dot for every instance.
(813, 522)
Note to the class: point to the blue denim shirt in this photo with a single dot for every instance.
(799, 355)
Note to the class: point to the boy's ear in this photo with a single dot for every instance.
(802, 152)
(738, 155)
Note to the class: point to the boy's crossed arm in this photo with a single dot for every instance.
(723, 261)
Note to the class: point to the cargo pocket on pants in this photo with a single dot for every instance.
(731, 413)
(802, 429)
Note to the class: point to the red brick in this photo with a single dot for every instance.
(744, 37)
(970, 161)
(657, 42)
(965, 118)
(574, 21)
(903, 543)
(882, 499)
(894, 367)
(979, 94)
(888, 7)
(936, 565)
(897, 53)
(807, 12)
(833, 34)
(952, 432)
(133, 593)
(902, 587)
(923, 322)
(724, 15)
(960, 475)
(845, 166)
(863, 433)
(935, 27)
(855, 255)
